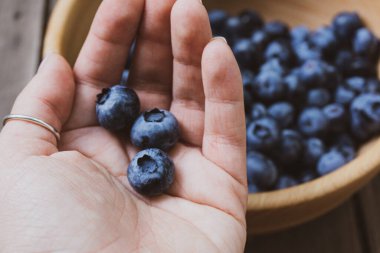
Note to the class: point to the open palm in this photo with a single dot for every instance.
(74, 196)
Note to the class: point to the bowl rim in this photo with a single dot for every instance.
(356, 173)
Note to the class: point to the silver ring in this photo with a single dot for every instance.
(34, 121)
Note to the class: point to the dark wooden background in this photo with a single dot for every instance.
(354, 227)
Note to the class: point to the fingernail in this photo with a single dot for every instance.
(45, 61)
(220, 38)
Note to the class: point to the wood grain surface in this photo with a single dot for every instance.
(353, 227)
(21, 31)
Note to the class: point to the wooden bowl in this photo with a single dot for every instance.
(276, 210)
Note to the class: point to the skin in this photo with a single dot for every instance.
(73, 196)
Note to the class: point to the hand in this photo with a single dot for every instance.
(73, 196)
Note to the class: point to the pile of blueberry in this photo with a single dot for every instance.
(151, 171)
(311, 97)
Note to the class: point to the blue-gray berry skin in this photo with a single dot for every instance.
(345, 25)
(275, 65)
(295, 90)
(324, 40)
(344, 95)
(336, 116)
(365, 43)
(312, 122)
(290, 148)
(299, 34)
(305, 52)
(312, 73)
(261, 171)
(263, 134)
(286, 181)
(218, 19)
(314, 149)
(155, 129)
(277, 30)
(283, 112)
(269, 86)
(330, 162)
(258, 111)
(124, 77)
(318, 97)
(251, 21)
(253, 188)
(307, 176)
(117, 107)
(280, 50)
(365, 116)
(151, 172)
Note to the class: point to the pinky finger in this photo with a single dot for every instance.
(224, 136)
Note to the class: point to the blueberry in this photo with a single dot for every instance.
(258, 111)
(248, 78)
(344, 60)
(218, 19)
(151, 172)
(275, 65)
(117, 107)
(344, 96)
(233, 29)
(347, 151)
(131, 54)
(286, 182)
(357, 84)
(318, 97)
(330, 162)
(261, 171)
(155, 129)
(251, 21)
(246, 54)
(372, 85)
(365, 43)
(332, 77)
(299, 34)
(304, 52)
(290, 148)
(124, 77)
(247, 101)
(295, 89)
(253, 188)
(260, 39)
(307, 176)
(276, 30)
(344, 140)
(314, 149)
(362, 67)
(324, 40)
(336, 116)
(269, 86)
(353, 65)
(263, 134)
(312, 122)
(312, 73)
(283, 112)
(345, 25)
(365, 116)
(281, 50)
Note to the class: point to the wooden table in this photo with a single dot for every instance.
(354, 227)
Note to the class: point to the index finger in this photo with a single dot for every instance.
(103, 55)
